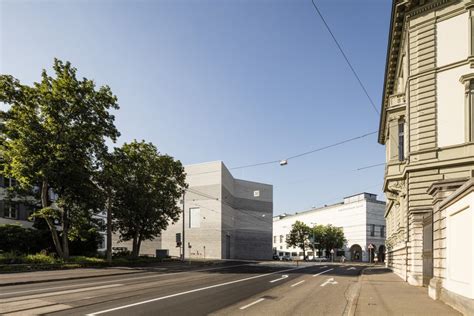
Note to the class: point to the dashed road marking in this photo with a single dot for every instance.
(297, 283)
(322, 272)
(253, 303)
(282, 278)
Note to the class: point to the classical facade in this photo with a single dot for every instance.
(427, 126)
(360, 216)
(224, 218)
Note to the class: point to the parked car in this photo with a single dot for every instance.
(276, 257)
(287, 258)
(321, 259)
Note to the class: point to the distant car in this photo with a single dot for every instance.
(276, 257)
(321, 259)
(286, 258)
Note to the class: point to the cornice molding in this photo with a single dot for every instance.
(428, 7)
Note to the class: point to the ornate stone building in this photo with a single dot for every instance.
(427, 126)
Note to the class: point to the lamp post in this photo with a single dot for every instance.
(183, 241)
(314, 243)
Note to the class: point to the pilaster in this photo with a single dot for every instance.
(440, 191)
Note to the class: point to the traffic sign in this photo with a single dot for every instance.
(371, 246)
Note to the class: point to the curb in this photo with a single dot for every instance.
(351, 306)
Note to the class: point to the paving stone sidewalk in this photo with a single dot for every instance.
(384, 293)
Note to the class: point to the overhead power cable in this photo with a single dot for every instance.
(332, 145)
(371, 166)
(296, 156)
(345, 57)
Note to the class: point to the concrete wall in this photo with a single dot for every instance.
(204, 193)
(253, 207)
(235, 222)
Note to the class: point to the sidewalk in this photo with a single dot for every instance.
(384, 293)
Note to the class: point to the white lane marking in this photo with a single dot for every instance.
(351, 268)
(329, 281)
(121, 280)
(297, 283)
(27, 297)
(253, 303)
(284, 276)
(322, 272)
(191, 291)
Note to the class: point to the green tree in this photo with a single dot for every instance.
(146, 190)
(53, 138)
(299, 236)
(333, 238)
(317, 236)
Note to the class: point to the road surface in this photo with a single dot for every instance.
(237, 289)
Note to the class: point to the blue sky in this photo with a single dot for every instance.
(243, 81)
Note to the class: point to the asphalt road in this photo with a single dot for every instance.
(250, 289)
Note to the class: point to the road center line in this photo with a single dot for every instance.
(322, 272)
(253, 303)
(297, 283)
(191, 291)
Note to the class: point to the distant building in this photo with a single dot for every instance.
(225, 218)
(13, 211)
(360, 216)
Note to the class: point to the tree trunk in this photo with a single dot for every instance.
(135, 245)
(139, 244)
(52, 227)
(65, 226)
(54, 235)
(109, 231)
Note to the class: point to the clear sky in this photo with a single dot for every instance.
(242, 81)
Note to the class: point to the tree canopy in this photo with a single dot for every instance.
(327, 237)
(53, 138)
(146, 187)
(299, 236)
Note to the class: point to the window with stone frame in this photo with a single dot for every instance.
(470, 111)
(401, 139)
(10, 210)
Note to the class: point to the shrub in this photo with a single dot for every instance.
(40, 258)
(86, 243)
(15, 238)
(10, 258)
(83, 259)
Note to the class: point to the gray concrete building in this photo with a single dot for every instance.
(225, 218)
